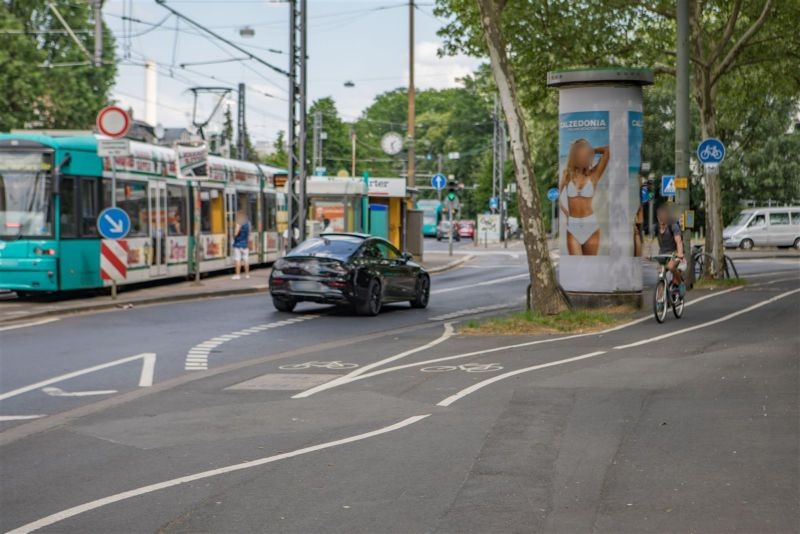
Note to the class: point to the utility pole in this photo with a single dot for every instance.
(98, 33)
(353, 149)
(317, 141)
(296, 138)
(682, 125)
(410, 178)
(498, 163)
(241, 127)
(440, 170)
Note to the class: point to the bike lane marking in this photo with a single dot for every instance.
(197, 357)
(362, 374)
(99, 503)
(354, 375)
(475, 387)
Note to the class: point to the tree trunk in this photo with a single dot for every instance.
(713, 188)
(546, 295)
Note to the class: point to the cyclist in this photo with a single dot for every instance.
(671, 242)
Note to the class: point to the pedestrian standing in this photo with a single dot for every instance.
(241, 237)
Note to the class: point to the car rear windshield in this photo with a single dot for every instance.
(336, 247)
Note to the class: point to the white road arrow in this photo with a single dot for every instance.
(116, 226)
(145, 378)
(58, 392)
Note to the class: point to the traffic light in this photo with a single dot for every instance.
(452, 191)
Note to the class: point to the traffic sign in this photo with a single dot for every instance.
(439, 181)
(113, 259)
(668, 186)
(493, 204)
(711, 150)
(320, 171)
(552, 194)
(113, 121)
(682, 182)
(113, 223)
(113, 147)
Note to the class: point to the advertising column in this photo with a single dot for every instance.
(600, 138)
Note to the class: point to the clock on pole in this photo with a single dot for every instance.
(392, 143)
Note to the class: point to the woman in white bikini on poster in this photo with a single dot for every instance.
(580, 180)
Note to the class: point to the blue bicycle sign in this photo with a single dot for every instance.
(711, 151)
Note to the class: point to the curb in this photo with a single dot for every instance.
(122, 303)
(452, 265)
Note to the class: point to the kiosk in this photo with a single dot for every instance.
(600, 139)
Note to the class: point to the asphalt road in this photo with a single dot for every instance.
(421, 429)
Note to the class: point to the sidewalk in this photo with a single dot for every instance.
(217, 285)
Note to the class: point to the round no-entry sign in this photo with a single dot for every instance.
(113, 121)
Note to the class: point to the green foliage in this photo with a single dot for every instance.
(336, 148)
(35, 95)
(764, 78)
(280, 157)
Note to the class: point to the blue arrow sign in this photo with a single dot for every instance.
(711, 151)
(113, 223)
(552, 194)
(668, 186)
(439, 181)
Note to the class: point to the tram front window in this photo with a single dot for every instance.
(25, 195)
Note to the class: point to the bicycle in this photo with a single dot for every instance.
(666, 288)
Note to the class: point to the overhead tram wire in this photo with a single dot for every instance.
(267, 64)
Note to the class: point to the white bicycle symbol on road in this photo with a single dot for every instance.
(468, 367)
(336, 364)
(711, 152)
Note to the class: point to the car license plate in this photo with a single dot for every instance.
(306, 286)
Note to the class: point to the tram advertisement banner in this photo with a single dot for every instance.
(193, 161)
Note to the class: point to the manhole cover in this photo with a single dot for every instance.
(283, 381)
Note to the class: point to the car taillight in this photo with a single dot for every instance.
(336, 284)
(278, 281)
(44, 251)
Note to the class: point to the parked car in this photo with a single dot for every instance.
(466, 229)
(343, 268)
(764, 227)
(443, 229)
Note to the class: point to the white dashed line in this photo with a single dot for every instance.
(197, 357)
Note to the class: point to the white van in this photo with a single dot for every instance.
(764, 227)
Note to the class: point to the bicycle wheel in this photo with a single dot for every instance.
(698, 267)
(677, 306)
(660, 301)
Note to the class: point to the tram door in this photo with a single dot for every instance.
(230, 220)
(157, 206)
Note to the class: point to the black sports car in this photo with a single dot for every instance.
(342, 268)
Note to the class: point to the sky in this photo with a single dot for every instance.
(364, 41)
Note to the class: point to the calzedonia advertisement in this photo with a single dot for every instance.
(600, 138)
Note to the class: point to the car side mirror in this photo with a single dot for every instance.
(407, 256)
